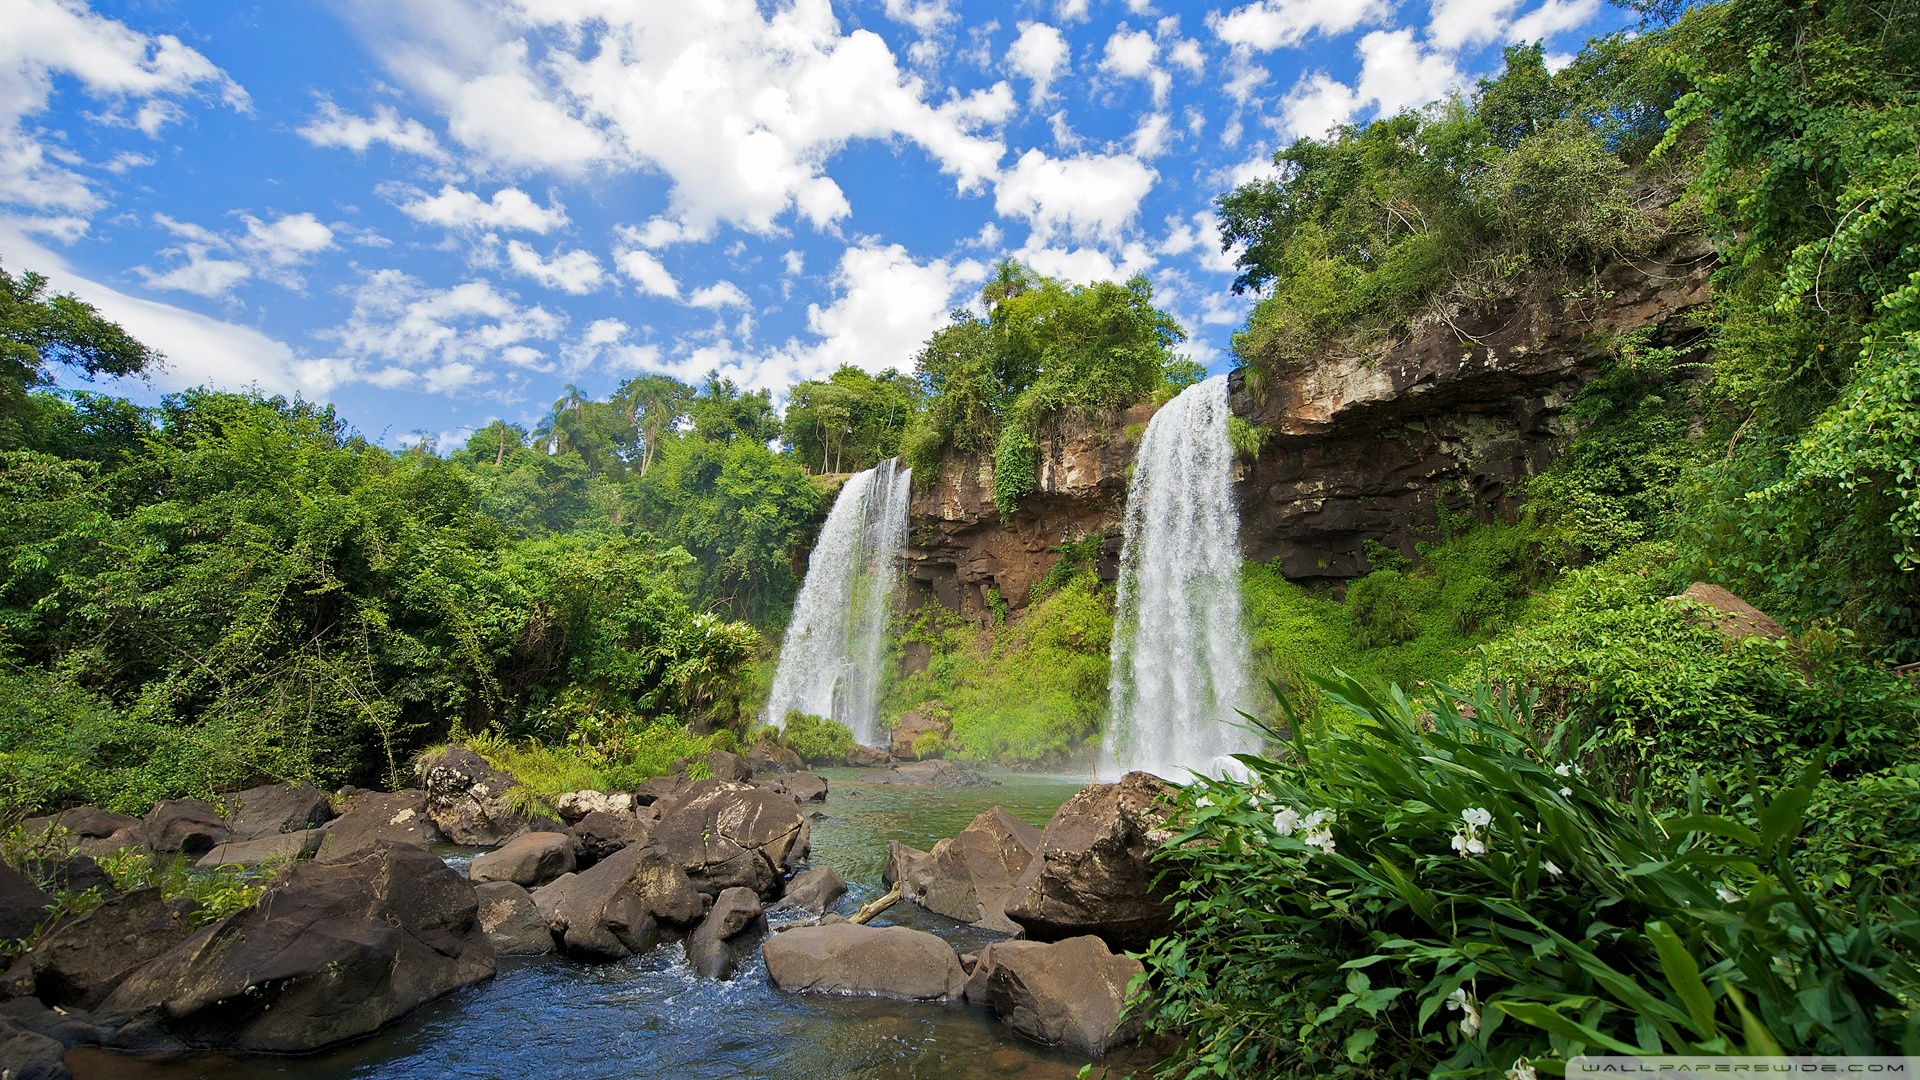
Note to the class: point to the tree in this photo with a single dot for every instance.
(652, 405)
(38, 331)
(850, 421)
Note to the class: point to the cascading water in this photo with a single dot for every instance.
(830, 664)
(1180, 654)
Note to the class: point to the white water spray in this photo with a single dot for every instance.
(835, 645)
(1180, 654)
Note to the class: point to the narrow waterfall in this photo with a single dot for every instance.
(835, 646)
(1180, 653)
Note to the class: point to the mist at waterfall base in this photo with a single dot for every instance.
(835, 648)
(1180, 653)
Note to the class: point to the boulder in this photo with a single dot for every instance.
(68, 1027)
(1094, 874)
(74, 873)
(330, 952)
(133, 837)
(85, 822)
(812, 890)
(660, 787)
(1732, 616)
(29, 1055)
(614, 910)
(867, 757)
(1071, 993)
(872, 961)
(547, 897)
(766, 757)
(467, 798)
(805, 786)
(911, 727)
(23, 906)
(731, 767)
(189, 826)
(279, 808)
(724, 834)
(512, 921)
(269, 848)
(83, 959)
(575, 805)
(714, 947)
(376, 818)
(974, 872)
(934, 774)
(603, 832)
(527, 861)
(908, 867)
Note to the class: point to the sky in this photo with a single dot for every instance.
(438, 213)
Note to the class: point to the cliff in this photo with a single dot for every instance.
(1358, 446)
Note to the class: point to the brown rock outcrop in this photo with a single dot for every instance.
(1094, 873)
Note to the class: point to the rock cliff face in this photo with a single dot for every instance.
(1357, 446)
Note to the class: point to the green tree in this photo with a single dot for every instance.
(38, 332)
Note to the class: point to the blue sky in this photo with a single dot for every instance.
(436, 213)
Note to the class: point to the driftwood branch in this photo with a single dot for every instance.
(878, 906)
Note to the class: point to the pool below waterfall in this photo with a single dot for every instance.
(651, 1017)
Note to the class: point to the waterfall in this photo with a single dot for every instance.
(1180, 653)
(835, 646)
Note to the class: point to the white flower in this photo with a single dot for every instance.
(1460, 842)
(1462, 1002)
(1467, 840)
(1551, 869)
(1204, 800)
(1726, 895)
(1522, 1070)
(1476, 817)
(1561, 771)
(1566, 793)
(1286, 821)
(1476, 846)
(1321, 838)
(1316, 819)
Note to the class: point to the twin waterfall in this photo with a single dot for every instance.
(1179, 652)
(836, 645)
(1180, 655)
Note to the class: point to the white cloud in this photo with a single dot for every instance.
(1151, 138)
(1063, 133)
(510, 208)
(269, 249)
(1086, 264)
(605, 347)
(1552, 18)
(1265, 25)
(287, 240)
(402, 332)
(1131, 54)
(112, 63)
(1089, 197)
(1038, 55)
(576, 272)
(1396, 73)
(792, 263)
(1070, 10)
(737, 104)
(1316, 105)
(201, 273)
(332, 126)
(720, 294)
(1186, 53)
(646, 271)
(888, 305)
(926, 16)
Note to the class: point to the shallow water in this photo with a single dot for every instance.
(651, 1017)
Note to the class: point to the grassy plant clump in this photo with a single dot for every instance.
(1431, 886)
(818, 740)
(614, 755)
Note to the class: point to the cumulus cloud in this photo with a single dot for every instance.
(211, 264)
(332, 126)
(112, 63)
(1038, 55)
(888, 304)
(1132, 54)
(576, 272)
(720, 294)
(646, 272)
(510, 208)
(1396, 73)
(926, 16)
(739, 106)
(1265, 25)
(1085, 198)
(403, 332)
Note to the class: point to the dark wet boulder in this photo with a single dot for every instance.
(805, 786)
(868, 961)
(867, 757)
(547, 897)
(330, 952)
(728, 766)
(615, 909)
(69, 1027)
(188, 826)
(934, 774)
(601, 833)
(724, 834)
(812, 890)
(765, 757)
(23, 906)
(1094, 873)
(467, 798)
(975, 871)
(528, 861)
(512, 921)
(714, 948)
(377, 818)
(29, 1055)
(660, 787)
(905, 741)
(83, 959)
(261, 850)
(84, 822)
(279, 808)
(1071, 993)
(909, 868)
(72, 873)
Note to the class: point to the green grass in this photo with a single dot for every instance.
(619, 759)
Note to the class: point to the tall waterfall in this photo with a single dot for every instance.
(835, 645)
(1180, 653)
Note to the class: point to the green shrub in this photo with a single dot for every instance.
(818, 740)
(1431, 888)
(930, 744)
(1386, 605)
(1016, 461)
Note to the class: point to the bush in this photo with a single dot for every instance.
(818, 740)
(1385, 605)
(1429, 888)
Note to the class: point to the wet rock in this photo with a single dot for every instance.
(189, 826)
(29, 1055)
(908, 867)
(575, 805)
(658, 788)
(725, 834)
(1094, 874)
(527, 861)
(512, 920)
(1071, 993)
(134, 838)
(714, 947)
(279, 808)
(271, 848)
(805, 786)
(812, 890)
(330, 952)
(377, 818)
(730, 767)
(467, 798)
(1732, 616)
(765, 757)
(23, 906)
(74, 873)
(601, 833)
(614, 910)
(83, 959)
(547, 897)
(974, 872)
(934, 774)
(928, 719)
(876, 961)
(867, 757)
(67, 1026)
(84, 822)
